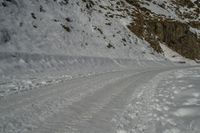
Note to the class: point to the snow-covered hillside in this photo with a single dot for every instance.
(88, 28)
(180, 10)
(66, 38)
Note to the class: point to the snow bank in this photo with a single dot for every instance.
(174, 56)
(23, 71)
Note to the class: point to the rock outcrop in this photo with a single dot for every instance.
(173, 32)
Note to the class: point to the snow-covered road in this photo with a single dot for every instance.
(122, 101)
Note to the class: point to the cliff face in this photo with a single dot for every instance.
(169, 23)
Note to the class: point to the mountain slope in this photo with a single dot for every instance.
(99, 28)
(175, 23)
(45, 42)
(88, 27)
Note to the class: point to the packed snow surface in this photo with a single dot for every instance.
(153, 100)
(169, 103)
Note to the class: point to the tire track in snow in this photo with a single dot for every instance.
(95, 112)
(33, 107)
(100, 95)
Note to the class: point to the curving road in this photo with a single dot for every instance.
(81, 105)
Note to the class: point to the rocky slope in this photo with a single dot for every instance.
(99, 28)
(175, 23)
